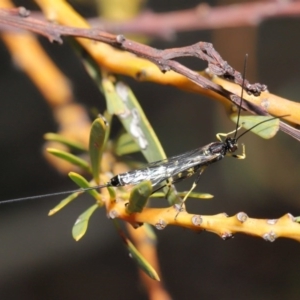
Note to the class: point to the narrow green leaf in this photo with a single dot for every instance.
(125, 145)
(71, 158)
(80, 227)
(91, 66)
(114, 103)
(196, 195)
(63, 203)
(137, 125)
(97, 144)
(266, 130)
(112, 193)
(108, 117)
(139, 196)
(61, 139)
(122, 102)
(136, 255)
(83, 183)
(141, 261)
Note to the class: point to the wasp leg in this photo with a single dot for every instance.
(227, 134)
(191, 189)
(238, 156)
(168, 184)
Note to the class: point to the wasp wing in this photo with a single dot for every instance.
(174, 167)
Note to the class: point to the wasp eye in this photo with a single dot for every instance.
(233, 148)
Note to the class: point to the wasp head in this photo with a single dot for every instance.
(231, 144)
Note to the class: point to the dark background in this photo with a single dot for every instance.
(40, 260)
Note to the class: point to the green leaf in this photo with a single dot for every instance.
(266, 130)
(63, 203)
(139, 196)
(112, 193)
(122, 102)
(71, 158)
(114, 103)
(137, 125)
(97, 144)
(196, 195)
(125, 145)
(83, 183)
(136, 255)
(61, 139)
(141, 261)
(80, 227)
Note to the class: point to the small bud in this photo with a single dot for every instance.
(226, 236)
(270, 237)
(113, 214)
(242, 217)
(120, 38)
(272, 221)
(161, 224)
(197, 220)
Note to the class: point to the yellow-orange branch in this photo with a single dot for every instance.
(221, 224)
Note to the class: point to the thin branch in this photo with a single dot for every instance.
(201, 17)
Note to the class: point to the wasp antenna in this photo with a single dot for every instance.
(242, 94)
(81, 190)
